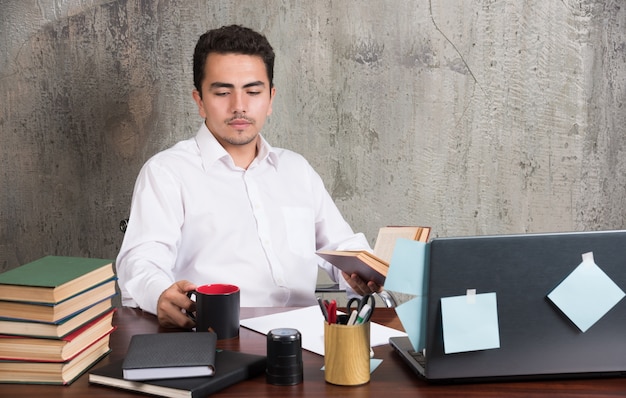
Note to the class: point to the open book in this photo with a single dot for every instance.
(373, 267)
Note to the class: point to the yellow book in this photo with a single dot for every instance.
(54, 329)
(35, 311)
(54, 372)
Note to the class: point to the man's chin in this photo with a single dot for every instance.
(241, 140)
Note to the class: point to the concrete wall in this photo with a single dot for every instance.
(471, 116)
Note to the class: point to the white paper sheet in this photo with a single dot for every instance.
(309, 321)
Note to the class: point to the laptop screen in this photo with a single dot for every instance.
(523, 327)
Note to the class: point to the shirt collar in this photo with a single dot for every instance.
(211, 150)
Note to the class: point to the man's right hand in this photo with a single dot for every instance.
(173, 303)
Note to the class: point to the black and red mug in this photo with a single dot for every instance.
(217, 309)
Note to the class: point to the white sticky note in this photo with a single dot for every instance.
(470, 322)
(587, 294)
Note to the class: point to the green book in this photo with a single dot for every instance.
(52, 279)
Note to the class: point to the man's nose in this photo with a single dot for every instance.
(238, 103)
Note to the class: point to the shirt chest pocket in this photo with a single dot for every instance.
(300, 229)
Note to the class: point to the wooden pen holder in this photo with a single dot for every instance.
(347, 354)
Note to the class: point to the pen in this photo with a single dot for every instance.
(323, 308)
(332, 311)
(364, 314)
(352, 318)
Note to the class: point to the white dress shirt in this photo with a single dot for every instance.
(197, 216)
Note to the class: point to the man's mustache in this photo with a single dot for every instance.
(240, 116)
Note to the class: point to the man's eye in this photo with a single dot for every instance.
(221, 94)
(254, 92)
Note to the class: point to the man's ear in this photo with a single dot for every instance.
(272, 95)
(197, 97)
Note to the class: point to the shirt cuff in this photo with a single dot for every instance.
(147, 296)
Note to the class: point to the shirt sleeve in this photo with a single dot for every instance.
(148, 253)
(333, 232)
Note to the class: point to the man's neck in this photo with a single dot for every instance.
(242, 155)
(244, 158)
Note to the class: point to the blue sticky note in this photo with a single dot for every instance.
(374, 363)
(587, 294)
(412, 315)
(470, 322)
(408, 274)
(407, 268)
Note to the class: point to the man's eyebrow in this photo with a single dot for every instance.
(254, 84)
(230, 85)
(221, 85)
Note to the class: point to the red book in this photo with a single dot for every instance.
(54, 372)
(24, 348)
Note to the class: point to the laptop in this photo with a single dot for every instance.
(537, 340)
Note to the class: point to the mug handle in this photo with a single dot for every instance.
(190, 314)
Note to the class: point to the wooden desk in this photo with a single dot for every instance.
(392, 378)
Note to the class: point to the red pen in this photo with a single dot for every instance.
(332, 311)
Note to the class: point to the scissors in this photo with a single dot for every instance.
(368, 300)
(331, 311)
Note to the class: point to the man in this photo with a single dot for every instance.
(225, 206)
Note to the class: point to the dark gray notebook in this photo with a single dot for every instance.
(537, 338)
(230, 367)
(170, 355)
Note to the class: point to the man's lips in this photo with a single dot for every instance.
(239, 123)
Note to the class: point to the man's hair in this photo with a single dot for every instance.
(233, 39)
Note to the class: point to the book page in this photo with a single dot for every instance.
(387, 236)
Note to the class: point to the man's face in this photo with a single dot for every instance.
(236, 98)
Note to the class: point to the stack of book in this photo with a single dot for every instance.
(56, 316)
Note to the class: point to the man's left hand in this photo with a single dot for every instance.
(361, 287)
